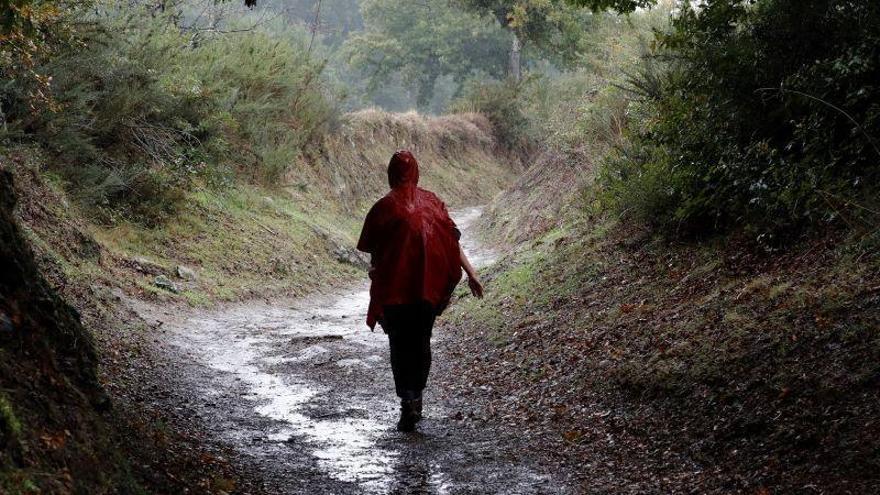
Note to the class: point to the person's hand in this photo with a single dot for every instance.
(476, 287)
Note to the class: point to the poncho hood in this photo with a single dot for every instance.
(403, 170)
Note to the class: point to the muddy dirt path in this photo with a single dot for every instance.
(301, 393)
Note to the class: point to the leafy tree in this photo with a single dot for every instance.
(420, 42)
(551, 26)
(622, 6)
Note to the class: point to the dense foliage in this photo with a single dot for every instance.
(145, 109)
(416, 44)
(503, 103)
(765, 116)
(579, 112)
(755, 113)
(551, 28)
(31, 30)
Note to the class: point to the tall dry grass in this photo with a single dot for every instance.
(457, 153)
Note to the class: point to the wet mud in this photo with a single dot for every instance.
(301, 393)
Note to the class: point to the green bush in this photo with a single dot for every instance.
(270, 91)
(764, 120)
(502, 102)
(145, 109)
(583, 110)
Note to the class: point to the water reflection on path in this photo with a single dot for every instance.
(323, 381)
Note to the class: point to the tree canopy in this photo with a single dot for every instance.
(419, 43)
(551, 27)
(622, 6)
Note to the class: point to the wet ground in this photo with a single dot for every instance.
(301, 393)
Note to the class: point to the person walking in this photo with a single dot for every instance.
(415, 263)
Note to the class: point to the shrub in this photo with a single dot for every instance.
(145, 109)
(271, 90)
(583, 110)
(503, 104)
(765, 119)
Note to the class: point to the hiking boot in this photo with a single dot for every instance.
(417, 408)
(408, 417)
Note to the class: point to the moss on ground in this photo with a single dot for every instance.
(244, 242)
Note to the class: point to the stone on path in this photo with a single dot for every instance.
(164, 282)
(186, 273)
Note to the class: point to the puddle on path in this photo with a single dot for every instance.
(245, 343)
(319, 356)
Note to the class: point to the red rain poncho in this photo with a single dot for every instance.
(413, 243)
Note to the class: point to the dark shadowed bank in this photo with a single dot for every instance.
(60, 430)
(653, 365)
(53, 430)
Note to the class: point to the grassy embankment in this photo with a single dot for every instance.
(676, 363)
(260, 240)
(248, 240)
(691, 294)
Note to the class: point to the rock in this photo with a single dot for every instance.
(351, 256)
(323, 234)
(342, 250)
(163, 282)
(147, 267)
(267, 201)
(186, 273)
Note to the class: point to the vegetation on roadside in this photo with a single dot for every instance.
(757, 115)
(249, 240)
(144, 111)
(725, 117)
(176, 152)
(193, 138)
(692, 262)
(682, 365)
(569, 122)
(690, 292)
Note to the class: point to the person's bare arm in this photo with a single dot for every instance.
(473, 281)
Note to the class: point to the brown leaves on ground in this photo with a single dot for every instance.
(677, 367)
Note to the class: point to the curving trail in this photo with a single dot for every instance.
(301, 395)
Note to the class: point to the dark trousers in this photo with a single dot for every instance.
(409, 334)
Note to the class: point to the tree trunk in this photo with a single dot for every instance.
(514, 71)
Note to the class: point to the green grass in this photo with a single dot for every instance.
(246, 240)
(196, 298)
(10, 423)
(519, 281)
